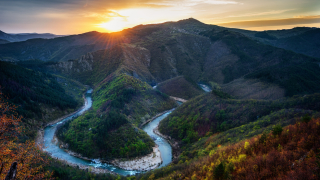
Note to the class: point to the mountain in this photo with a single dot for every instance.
(25, 36)
(155, 53)
(2, 41)
(58, 49)
(302, 40)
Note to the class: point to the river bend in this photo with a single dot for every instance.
(53, 149)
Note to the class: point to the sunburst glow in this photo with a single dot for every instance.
(116, 24)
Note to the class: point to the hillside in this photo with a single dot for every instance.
(40, 97)
(110, 130)
(180, 87)
(205, 53)
(160, 52)
(211, 114)
(3, 41)
(299, 39)
(235, 55)
(285, 153)
(58, 49)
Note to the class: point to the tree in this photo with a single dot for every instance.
(26, 157)
(277, 130)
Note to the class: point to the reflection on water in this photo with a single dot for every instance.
(52, 148)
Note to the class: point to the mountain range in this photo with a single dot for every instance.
(25, 36)
(258, 80)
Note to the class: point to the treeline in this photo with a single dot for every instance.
(28, 88)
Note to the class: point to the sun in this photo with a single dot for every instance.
(116, 24)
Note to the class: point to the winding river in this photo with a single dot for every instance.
(53, 149)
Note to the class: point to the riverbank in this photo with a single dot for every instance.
(39, 140)
(145, 163)
(174, 144)
(153, 118)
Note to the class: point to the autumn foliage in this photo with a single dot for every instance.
(293, 153)
(30, 161)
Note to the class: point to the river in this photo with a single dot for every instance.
(53, 149)
(205, 87)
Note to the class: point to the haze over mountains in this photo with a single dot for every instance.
(258, 80)
(25, 36)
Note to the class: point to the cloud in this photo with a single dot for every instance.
(210, 2)
(262, 13)
(274, 22)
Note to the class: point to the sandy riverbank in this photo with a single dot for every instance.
(145, 163)
(174, 144)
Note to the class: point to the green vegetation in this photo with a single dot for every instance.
(220, 94)
(62, 171)
(211, 114)
(180, 87)
(293, 153)
(39, 96)
(277, 130)
(86, 135)
(120, 104)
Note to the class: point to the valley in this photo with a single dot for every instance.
(176, 100)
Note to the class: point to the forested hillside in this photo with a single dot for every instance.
(39, 96)
(213, 113)
(285, 153)
(110, 130)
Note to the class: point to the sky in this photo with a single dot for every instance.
(78, 16)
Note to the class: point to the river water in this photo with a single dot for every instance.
(205, 87)
(53, 149)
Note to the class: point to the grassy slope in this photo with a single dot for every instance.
(120, 104)
(179, 87)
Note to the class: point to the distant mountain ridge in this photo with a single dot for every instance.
(25, 36)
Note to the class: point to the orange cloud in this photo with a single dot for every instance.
(274, 22)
